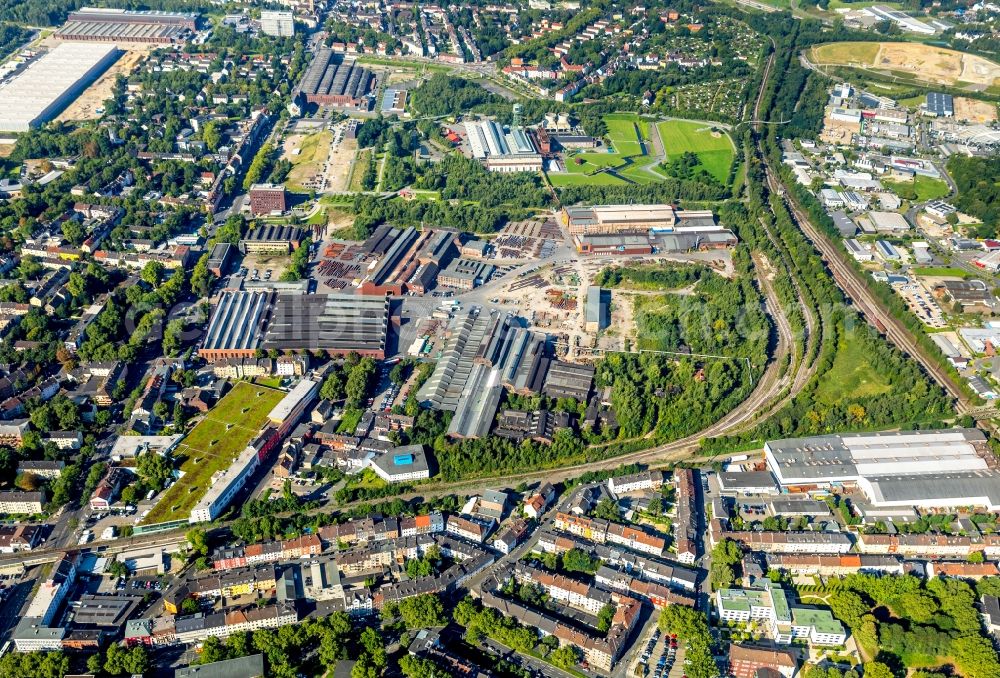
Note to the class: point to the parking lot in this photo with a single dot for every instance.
(921, 304)
(659, 655)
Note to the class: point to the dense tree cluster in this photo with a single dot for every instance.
(663, 276)
(308, 647)
(919, 621)
(978, 181)
(691, 627)
(443, 94)
(11, 38)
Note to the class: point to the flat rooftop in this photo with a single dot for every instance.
(328, 322)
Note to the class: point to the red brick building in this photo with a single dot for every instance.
(266, 198)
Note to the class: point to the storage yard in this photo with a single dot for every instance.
(50, 83)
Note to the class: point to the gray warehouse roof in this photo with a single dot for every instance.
(251, 666)
(238, 321)
(51, 82)
(979, 488)
(328, 322)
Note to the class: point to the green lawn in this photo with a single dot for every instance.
(940, 271)
(559, 179)
(623, 133)
(714, 150)
(625, 137)
(212, 445)
(851, 376)
(920, 188)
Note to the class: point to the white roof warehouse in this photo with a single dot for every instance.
(51, 83)
(926, 469)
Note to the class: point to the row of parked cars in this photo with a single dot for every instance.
(666, 659)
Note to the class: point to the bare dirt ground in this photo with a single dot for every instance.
(339, 163)
(936, 64)
(972, 110)
(86, 105)
(838, 131)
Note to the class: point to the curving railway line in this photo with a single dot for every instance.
(864, 300)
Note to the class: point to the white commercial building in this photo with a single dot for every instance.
(785, 622)
(225, 486)
(926, 469)
(281, 24)
(50, 83)
(501, 150)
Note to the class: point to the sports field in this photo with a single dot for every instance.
(212, 445)
(714, 149)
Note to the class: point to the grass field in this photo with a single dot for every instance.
(627, 138)
(361, 164)
(212, 445)
(851, 376)
(920, 189)
(714, 150)
(940, 272)
(313, 151)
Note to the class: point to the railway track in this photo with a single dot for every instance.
(864, 300)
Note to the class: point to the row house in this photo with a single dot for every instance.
(198, 627)
(686, 515)
(238, 582)
(601, 652)
(474, 530)
(646, 567)
(918, 545)
(806, 542)
(563, 589)
(636, 482)
(658, 595)
(603, 531)
(835, 565)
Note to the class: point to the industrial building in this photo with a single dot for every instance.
(220, 259)
(485, 352)
(237, 325)
(465, 274)
(333, 80)
(568, 380)
(102, 24)
(271, 239)
(281, 24)
(500, 149)
(596, 310)
(940, 105)
(336, 324)
(51, 83)
(924, 469)
(598, 219)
